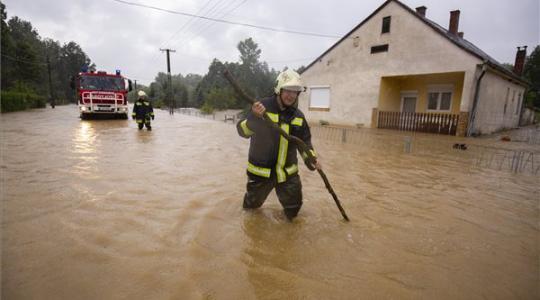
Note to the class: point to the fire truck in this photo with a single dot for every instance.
(101, 94)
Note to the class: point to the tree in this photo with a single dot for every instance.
(8, 47)
(25, 56)
(249, 53)
(531, 72)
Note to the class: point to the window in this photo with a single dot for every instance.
(379, 48)
(439, 98)
(319, 98)
(386, 24)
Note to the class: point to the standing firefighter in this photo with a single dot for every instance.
(143, 111)
(272, 159)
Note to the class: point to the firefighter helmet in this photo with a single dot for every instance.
(141, 94)
(289, 80)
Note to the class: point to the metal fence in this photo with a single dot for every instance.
(521, 158)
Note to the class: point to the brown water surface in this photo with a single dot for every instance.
(98, 210)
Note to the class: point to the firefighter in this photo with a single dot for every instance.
(272, 159)
(143, 111)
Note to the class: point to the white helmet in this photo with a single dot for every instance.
(141, 94)
(289, 80)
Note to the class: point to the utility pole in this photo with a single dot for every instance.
(171, 102)
(51, 97)
(135, 84)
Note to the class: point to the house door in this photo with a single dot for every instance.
(408, 104)
(408, 108)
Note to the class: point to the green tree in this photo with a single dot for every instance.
(531, 72)
(25, 56)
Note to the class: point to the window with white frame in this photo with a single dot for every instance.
(319, 97)
(439, 98)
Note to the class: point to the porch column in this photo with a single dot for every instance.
(374, 117)
(463, 123)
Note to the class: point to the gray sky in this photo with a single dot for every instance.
(119, 36)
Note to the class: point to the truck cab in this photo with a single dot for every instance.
(100, 93)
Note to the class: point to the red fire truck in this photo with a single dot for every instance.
(99, 93)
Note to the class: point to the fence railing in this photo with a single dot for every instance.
(421, 122)
(469, 152)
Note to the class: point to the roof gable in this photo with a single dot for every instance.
(460, 42)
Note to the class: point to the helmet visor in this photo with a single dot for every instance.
(294, 88)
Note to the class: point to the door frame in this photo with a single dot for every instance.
(404, 94)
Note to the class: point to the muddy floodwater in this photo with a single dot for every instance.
(98, 210)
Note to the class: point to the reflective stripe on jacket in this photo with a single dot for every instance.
(269, 152)
(142, 109)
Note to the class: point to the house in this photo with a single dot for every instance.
(398, 69)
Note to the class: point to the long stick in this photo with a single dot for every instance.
(301, 145)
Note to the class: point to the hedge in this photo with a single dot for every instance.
(15, 101)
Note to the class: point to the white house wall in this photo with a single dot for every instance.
(494, 92)
(354, 74)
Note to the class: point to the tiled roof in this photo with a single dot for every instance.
(460, 42)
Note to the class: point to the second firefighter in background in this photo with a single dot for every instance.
(272, 159)
(143, 111)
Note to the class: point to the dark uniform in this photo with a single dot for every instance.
(272, 159)
(142, 113)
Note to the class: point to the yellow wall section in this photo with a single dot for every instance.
(391, 88)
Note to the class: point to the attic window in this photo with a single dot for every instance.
(379, 48)
(386, 24)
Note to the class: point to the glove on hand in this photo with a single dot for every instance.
(311, 162)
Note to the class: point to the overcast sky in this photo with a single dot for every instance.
(126, 37)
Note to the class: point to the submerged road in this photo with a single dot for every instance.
(99, 210)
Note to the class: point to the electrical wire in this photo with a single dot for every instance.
(229, 22)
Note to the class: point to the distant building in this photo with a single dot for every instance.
(398, 69)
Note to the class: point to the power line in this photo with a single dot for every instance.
(187, 23)
(23, 61)
(197, 30)
(210, 24)
(184, 26)
(229, 22)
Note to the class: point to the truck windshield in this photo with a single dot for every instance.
(102, 83)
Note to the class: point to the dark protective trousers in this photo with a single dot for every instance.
(143, 123)
(289, 193)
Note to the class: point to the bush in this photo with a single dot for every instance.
(158, 103)
(15, 101)
(207, 108)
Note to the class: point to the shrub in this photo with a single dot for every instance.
(207, 108)
(15, 101)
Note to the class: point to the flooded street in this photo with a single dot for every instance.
(98, 210)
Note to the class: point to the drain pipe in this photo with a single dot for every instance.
(475, 99)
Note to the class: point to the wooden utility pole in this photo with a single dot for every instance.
(51, 95)
(171, 101)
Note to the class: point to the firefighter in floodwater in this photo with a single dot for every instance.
(272, 159)
(143, 111)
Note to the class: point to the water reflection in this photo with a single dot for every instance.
(84, 138)
(273, 254)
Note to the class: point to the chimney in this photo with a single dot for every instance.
(454, 22)
(421, 10)
(520, 60)
(460, 34)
